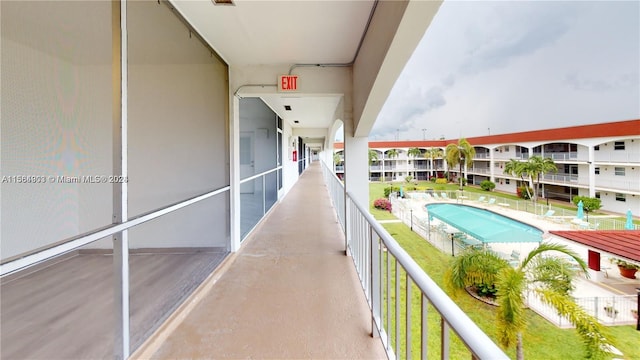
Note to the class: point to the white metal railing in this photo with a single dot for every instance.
(336, 192)
(608, 310)
(561, 215)
(382, 265)
(561, 178)
(617, 157)
(262, 200)
(67, 245)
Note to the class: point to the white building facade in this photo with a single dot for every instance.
(600, 160)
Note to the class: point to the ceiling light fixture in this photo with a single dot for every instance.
(287, 107)
(296, 121)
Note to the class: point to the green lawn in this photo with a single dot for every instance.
(542, 340)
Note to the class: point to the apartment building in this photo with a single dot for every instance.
(599, 160)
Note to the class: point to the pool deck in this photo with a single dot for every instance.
(607, 282)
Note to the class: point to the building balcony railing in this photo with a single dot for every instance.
(382, 265)
(621, 157)
(561, 178)
(622, 185)
(479, 171)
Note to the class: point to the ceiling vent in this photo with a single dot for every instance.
(223, 2)
(296, 121)
(287, 107)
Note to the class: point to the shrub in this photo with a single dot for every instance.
(382, 204)
(410, 188)
(441, 181)
(487, 185)
(487, 290)
(389, 190)
(432, 179)
(522, 192)
(408, 178)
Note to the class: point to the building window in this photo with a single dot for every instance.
(597, 194)
(596, 148)
(619, 171)
(621, 197)
(618, 145)
(597, 171)
(506, 181)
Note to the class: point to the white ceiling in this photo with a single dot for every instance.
(280, 32)
(284, 32)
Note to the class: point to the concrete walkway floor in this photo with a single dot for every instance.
(290, 293)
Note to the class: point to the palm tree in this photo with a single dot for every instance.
(517, 168)
(535, 167)
(548, 277)
(460, 153)
(414, 153)
(433, 154)
(337, 159)
(391, 154)
(373, 158)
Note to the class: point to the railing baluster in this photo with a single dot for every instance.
(388, 255)
(444, 339)
(408, 316)
(423, 327)
(363, 233)
(397, 300)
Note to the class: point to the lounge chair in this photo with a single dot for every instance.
(435, 196)
(481, 199)
(491, 201)
(444, 195)
(548, 214)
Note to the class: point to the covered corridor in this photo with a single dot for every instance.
(290, 292)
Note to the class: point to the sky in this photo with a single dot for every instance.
(500, 67)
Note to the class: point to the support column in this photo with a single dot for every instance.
(356, 170)
(120, 168)
(234, 172)
(492, 163)
(592, 171)
(356, 164)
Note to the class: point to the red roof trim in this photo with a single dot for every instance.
(619, 128)
(622, 243)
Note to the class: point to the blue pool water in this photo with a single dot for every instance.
(484, 225)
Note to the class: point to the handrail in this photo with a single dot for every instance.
(260, 175)
(34, 257)
(471, 335)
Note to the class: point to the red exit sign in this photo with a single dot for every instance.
(288, 83)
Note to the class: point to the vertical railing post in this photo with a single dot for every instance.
(347, 224)
(424, 328)
(264, 195)
(120, 168)
(444, 339)
(376, 312)
(408, 316)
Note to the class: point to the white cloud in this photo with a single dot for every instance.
(517, 66)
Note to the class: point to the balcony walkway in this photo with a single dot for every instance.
(290, 292)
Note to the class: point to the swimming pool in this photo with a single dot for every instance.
(484, 225)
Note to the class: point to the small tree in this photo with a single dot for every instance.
(548, 277)
(588, 204)
(392, 154)
(373, 158)
(414, 153)
(461, 154)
